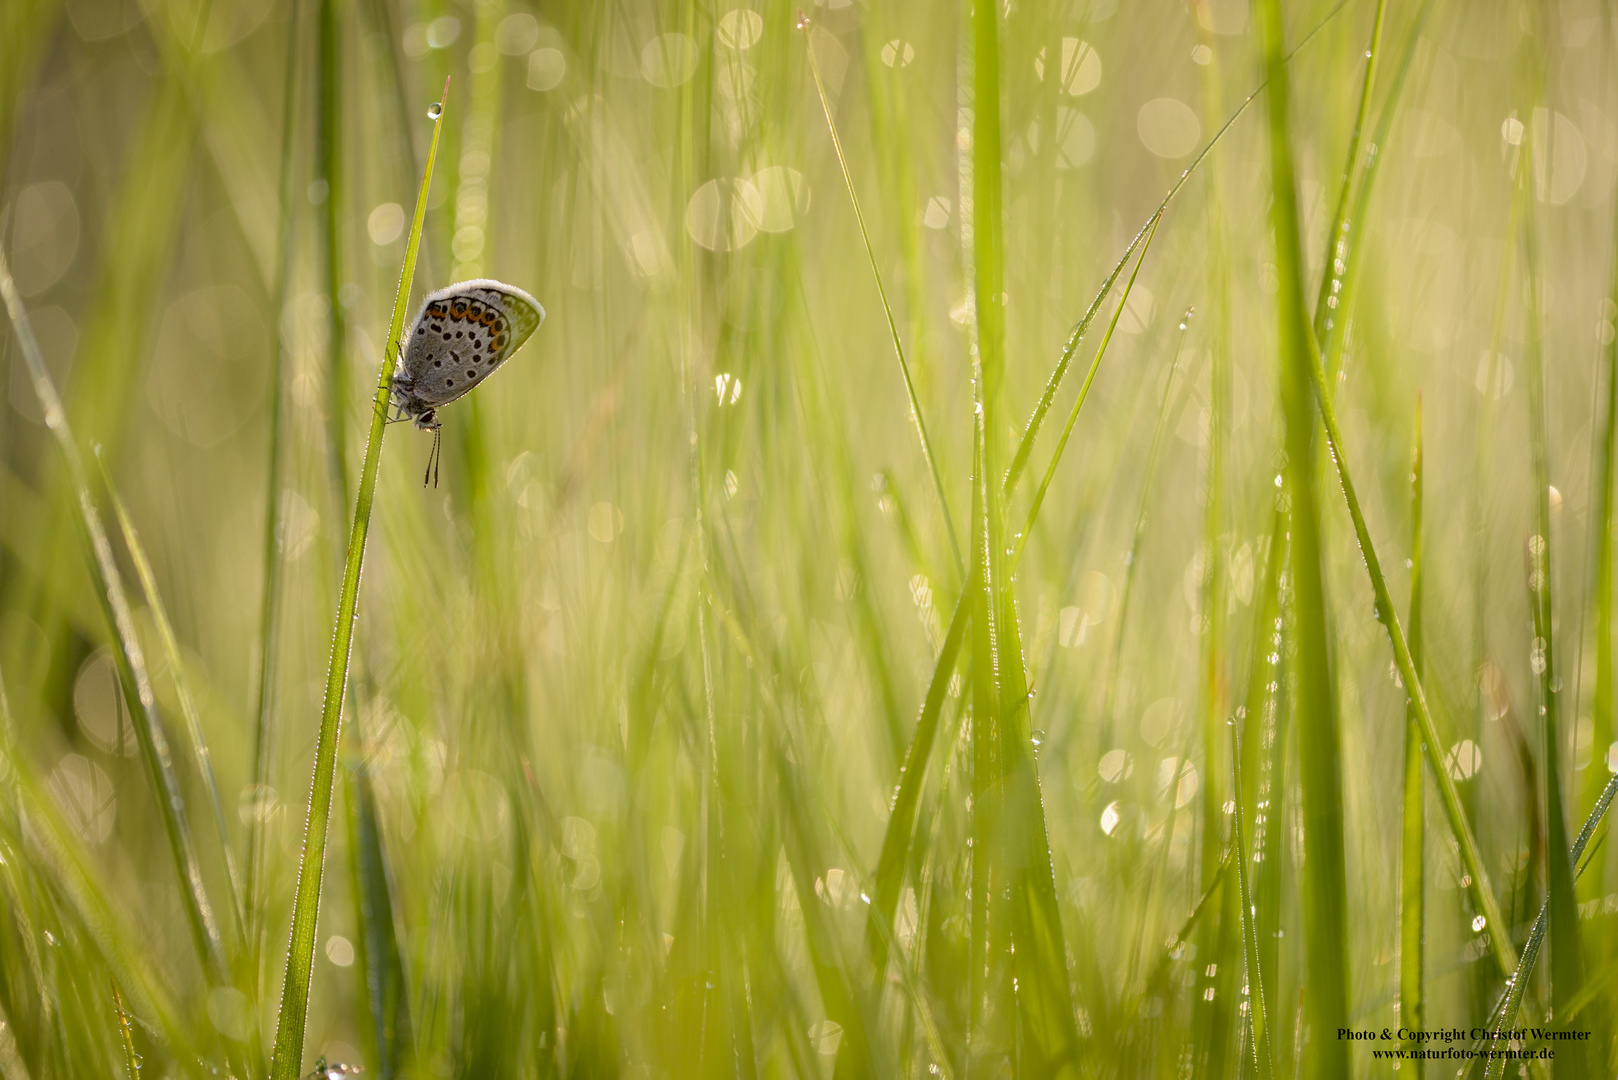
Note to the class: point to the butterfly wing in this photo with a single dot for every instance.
(523, 311)
(463, 333)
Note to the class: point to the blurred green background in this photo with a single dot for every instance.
(633, 688)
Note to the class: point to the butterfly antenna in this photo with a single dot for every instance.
(438, 452)
(428, 473)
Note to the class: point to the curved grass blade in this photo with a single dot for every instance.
(893, 326)
(133, 676)
(182, 690)
(287, 1059)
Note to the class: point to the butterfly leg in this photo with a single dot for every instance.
(434, 456)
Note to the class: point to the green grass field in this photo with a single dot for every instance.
(1062, 538)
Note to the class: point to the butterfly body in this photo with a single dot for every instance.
(462, 334)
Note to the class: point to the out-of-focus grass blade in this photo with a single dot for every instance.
(1324, 900)
(1025, 446)
(1601, 706)
(270, 603)
(1263, 1057)
(182, 691)
(59, 857)
(329, 178)
(1505, 1016)
(1132, 558)
(286, 1062)
(1347, 251)
(1011, 854)
(1567, 962)
(901, 820)
(1483, 897)
(1411, 850)
(381, 963)
(1084, 393)
(1331, 279)
(128, 657)
(893, 326)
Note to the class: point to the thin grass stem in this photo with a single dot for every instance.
(887, 310)
(286, 1062)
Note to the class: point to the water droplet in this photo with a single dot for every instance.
(1037, 737)
(435, 110)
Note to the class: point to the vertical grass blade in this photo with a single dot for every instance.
(286, 1062)
(1482, 891)
(901, 820)
(270, 600)
(1412, 929)
(1602, 515)
(1567, 965)
(329, 181)
(1263, 1057)
(893, 326)
(128, 657)
(1132, 558)
(1331, 280)
(381, 965)
(126, 1037)
(1320, 772)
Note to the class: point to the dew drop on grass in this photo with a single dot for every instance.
(435, 110)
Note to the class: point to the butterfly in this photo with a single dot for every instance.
(324, 1071)
(461, 335)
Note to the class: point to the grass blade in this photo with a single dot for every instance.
(188, 708)
(1567, 966)
(901, 820)
(329, 183)
(1505, 1015)
(1482, 892)
(1320, 769)
(887, 310)
(1132, 558)
(128, 657)
(126, 1036)
(380, 961)
(1263, 1058)
(1331, 279)
(1348, 248)
(270, 603)
(1412, 929)
(286, 1062)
